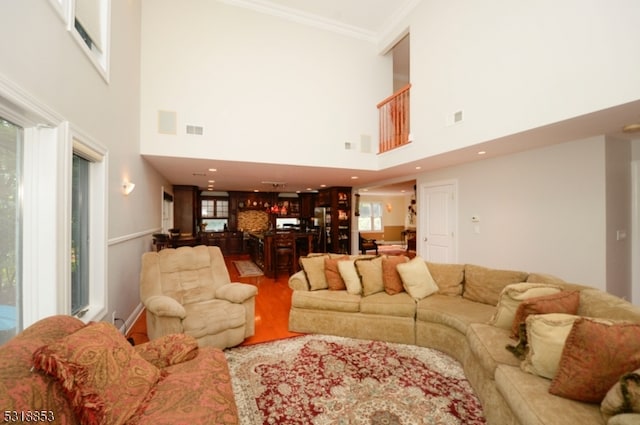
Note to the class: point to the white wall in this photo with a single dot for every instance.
(38, 54)
(513, 66)
(265, 89)
(541, 211)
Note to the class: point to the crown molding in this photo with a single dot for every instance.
(298, 16)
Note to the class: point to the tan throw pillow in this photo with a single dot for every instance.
(448, 277)
(417, 279)
(332, 274)
(313, 267)
(484, 285)
(546, 335)
(623, 397)
(511, 297)
(390, 276)
(349, 274)
(370, 272)
(563, 302)
(595, 356)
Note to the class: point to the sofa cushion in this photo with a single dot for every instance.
(487, 343)
(562, 302)
(448, 277)
(22, 389)
(168, 350)
(546, 335)
(595, 355)
(597, 303)
(347, 269)
(511, 297)
(332, 274)
(416, 279)
(204, 396)
(104, 378)
(455, 312)
(389, 305)
(370, 272)
(484, 285)
(313, 267)
(530, 401)
(390, 275)
(326, 300)
(623, 397)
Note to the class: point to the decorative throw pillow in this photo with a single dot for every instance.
(332, 274)
(416, 278)
(105, 380)
(546, 335)
(562, 302)
(595, 355)
(370, 272)
(313, 267)
(484, 285)
(168, 350)
(349, 274)
(623, 397)
(448, 277)
(511, 297)
(390, 276)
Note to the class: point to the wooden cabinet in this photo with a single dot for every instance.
(185, 209)
(229, 242)
(337, 204)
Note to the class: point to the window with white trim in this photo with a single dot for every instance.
(88, 291)
(89, 22)
(10, 229)
(370, 219)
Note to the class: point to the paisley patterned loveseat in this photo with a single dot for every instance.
(61, 371)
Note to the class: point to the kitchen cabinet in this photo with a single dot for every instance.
(336, 202)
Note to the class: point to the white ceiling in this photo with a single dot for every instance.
(379, 14)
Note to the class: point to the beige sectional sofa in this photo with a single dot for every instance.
(464, 315)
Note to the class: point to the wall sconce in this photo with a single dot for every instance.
(127, 187)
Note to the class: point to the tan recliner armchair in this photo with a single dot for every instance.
(188, 290)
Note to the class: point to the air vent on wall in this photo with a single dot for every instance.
(195, 129)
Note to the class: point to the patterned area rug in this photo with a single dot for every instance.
(319, 379)
(247, 268)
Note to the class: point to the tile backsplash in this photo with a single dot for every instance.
(253, 221)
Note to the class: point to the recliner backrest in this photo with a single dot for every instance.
(187, 274)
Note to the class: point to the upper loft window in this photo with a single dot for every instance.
(89, 23)
(90, 26)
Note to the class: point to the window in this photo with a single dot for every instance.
(215, 214)
(89, 25)
(80, 235)
(10, 229)
(370, 216)
(88, 21)
(88, 287)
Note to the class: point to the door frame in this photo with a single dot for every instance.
(423, 218)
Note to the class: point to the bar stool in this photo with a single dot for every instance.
(284, 244)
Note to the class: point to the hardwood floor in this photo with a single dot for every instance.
(272, 307)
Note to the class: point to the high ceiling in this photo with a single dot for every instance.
(380, 14)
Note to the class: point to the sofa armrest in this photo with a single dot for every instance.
(161, 305)
(168, 350)
(298, 281)
(236, 292)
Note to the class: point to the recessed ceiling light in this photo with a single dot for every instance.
(418, 167)
(213, 169)
(256, 190)
(323, 185)
(212, 181)
(309, 188)
(354, 177)
(482, 152)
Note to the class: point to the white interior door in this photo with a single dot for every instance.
(438, 214)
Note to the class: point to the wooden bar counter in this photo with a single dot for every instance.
(261, 248)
